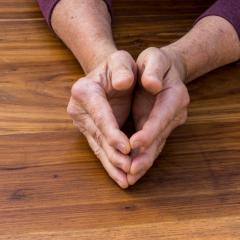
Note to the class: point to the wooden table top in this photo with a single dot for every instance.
(51, 184)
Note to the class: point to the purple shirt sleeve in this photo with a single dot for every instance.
(228, 9)
(47, 7)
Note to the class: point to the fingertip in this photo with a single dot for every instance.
(136, 141)
(119, 177)
(132, 179)
(122, 80)
(125, 186)
(124, 148)
(151, 83)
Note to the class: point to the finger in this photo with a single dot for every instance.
(88, 127)
(153, 66)
(143, 161)
(118, 159)
(123, 70)
(91, 97)
(116, 174)
(167, 105)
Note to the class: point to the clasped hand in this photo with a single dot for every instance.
(152, 88)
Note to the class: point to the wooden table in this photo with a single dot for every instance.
(51, 184)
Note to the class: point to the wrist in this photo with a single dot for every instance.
(178, 60)
(97, 55)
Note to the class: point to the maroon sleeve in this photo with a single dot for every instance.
(47, 7)
(228, 9)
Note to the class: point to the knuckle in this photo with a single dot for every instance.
(77, 113)
(146, 53)
(111, 140)
(99, 119)
(97, 151)
(119, 54)
(98, 137)
(152, 49)
(114, 160)
(79, 88)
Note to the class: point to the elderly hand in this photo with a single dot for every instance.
(160, 105)
(99, 105)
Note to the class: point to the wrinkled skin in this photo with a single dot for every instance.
(160, 105)
(100, 104)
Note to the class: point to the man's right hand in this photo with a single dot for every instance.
(99, 106)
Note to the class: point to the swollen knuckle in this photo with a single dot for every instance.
(79, 89)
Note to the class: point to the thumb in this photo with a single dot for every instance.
(153, 66)
(123, 71)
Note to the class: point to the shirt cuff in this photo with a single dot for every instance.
(47, 7)
(227, 9)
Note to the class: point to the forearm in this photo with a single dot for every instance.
(212, 43)
(85, 27)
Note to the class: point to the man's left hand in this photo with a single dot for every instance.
(160, 106)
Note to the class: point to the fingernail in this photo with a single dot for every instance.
(123, 148)
(136, 144)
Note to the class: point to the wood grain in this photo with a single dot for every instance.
(51, 184)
